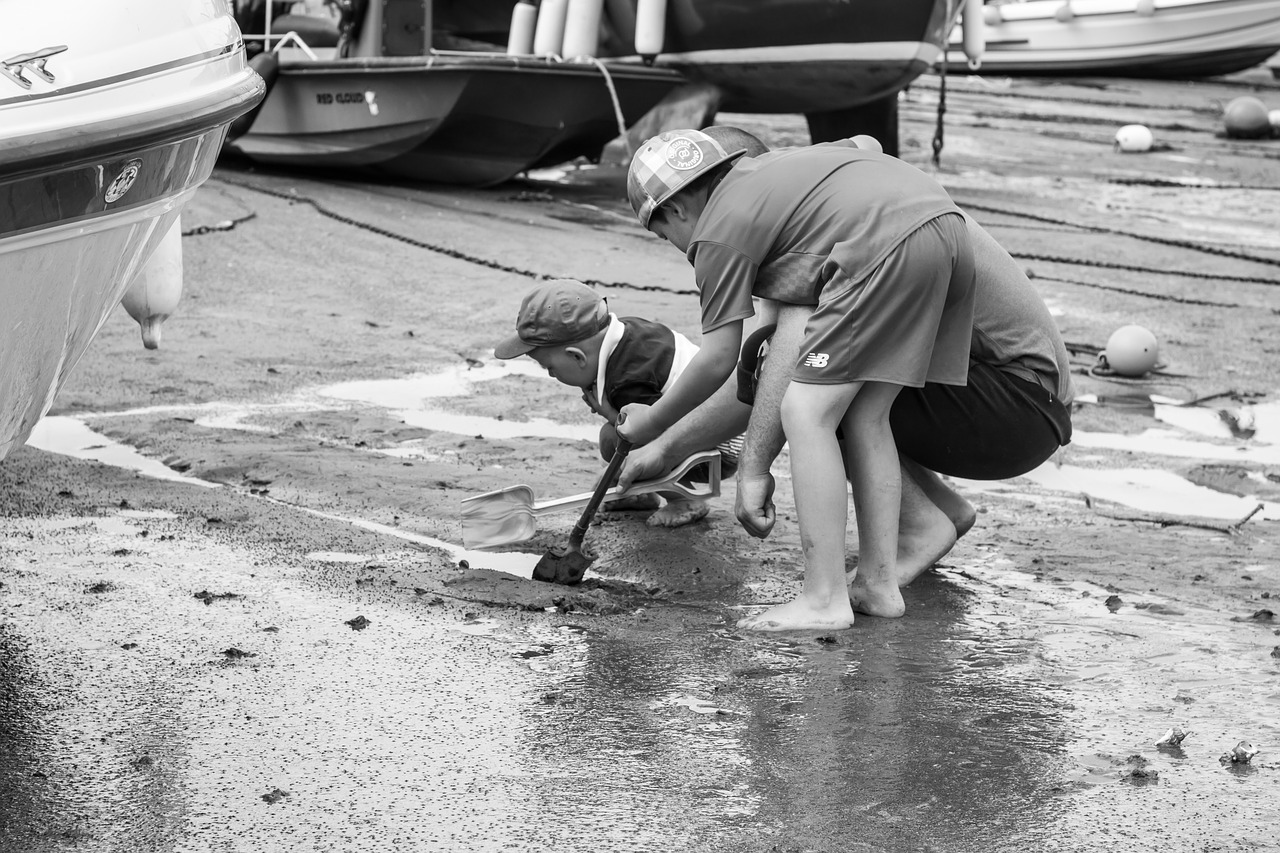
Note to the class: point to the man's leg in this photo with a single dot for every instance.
(810, 414)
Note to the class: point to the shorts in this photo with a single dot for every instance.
(996, 427)
(908, 322)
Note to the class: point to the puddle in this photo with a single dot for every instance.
(73, 437)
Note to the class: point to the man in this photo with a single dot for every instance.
(900, 322)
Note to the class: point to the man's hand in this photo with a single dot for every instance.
(638, 427)
(644, 463)
(754, 505)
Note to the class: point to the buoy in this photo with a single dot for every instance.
(582, 28)
(1274, 118)
(1131, 351)
(548, 35)
(157, 289)
(651, 29)
(992, 16)
(1146, 8)
(1064, 13)
(971, 24)
(524, 17)
(1247, 118)
(870, 143)
(1133, 139)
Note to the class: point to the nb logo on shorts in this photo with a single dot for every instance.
(816, 359)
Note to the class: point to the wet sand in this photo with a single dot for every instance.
(185, 667)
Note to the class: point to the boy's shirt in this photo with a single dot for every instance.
(780, 225)
(639, 361)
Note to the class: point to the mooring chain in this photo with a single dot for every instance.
(433, 247)
(1165, 241)
(1112, 265)
(1163, 297)
(225, 225)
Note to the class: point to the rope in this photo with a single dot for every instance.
(617, 104)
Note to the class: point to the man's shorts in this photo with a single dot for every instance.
(908, 322)
(997, 426)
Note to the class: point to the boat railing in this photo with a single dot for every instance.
(282, 40)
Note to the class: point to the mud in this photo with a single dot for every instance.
(293, 461)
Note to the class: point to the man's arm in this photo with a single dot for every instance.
(765, 437)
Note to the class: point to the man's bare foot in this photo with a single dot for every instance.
(802, 615)
(679, 512)
(636, 502)
(924, 537)
(876, 599)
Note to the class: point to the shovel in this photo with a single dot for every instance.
(510, 515)
(569, 565)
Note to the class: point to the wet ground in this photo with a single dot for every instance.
(236, 613)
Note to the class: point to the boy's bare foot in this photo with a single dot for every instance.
(802, 615)
(636, 502)
(678, 513)
(876, 599)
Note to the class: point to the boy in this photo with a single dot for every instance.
(567, 328)
(884, 289)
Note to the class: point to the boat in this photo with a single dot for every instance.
(408, 109)
(1160, 39)
(461, 97)
(111, 116)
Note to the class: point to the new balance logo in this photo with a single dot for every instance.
(816, 359)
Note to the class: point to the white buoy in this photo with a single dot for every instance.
(1133, 139)
(1273, 117)
(548, 35)
(975, 40)
(582, 28)
(1064, 13)
(524, 17)
(651, 28)
(157, 289)
(992, 16)
(1146, 8)
(1131, 351)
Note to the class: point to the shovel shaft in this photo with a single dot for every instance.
(597, 497)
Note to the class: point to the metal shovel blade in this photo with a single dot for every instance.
(510, 515)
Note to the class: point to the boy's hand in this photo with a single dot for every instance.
(754, 504)
(604, 410)
(638, 427)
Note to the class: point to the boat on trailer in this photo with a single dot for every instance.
(111, 116)
(357, 98)
(1170, 39)
(382, 87)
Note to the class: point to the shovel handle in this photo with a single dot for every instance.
(597, 497)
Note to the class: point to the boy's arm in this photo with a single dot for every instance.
(703, 376)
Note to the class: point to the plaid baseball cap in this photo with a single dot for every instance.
(558, 312)
(667, 163)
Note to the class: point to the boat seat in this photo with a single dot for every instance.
(316, 32)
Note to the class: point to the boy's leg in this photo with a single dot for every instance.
(810, 414)
(880, 493)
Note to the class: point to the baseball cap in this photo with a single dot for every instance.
(557, 312)
(669, 162)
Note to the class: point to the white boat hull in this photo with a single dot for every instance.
(1142, 38)
(101, 145)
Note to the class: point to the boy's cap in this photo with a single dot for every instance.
(667, 163)
(557, 312)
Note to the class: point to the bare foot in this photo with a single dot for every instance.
(924, 537)
(802, 615)
(678, 513)
(646, 501)
(876, 599)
